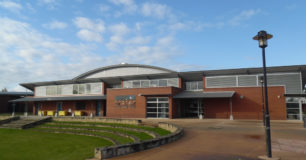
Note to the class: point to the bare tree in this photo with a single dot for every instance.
(4, 90)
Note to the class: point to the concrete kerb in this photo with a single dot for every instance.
(7, 120)
(98, 119)
(119, 150)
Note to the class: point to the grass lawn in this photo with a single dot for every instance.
(157, 130)
(32, 145)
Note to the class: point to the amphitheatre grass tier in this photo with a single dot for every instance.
(70, 140)
(141, 135)
(157, 130)
(30, 144)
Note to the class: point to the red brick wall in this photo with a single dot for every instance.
(248, 107)
(140, 109)
(51, 106)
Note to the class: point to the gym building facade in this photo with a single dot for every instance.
(142, 91)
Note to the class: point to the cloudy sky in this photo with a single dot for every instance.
(43, 40)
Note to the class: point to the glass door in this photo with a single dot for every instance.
(157, 107)
(98, 108)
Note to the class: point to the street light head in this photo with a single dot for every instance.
(262, 38)
(261, 78)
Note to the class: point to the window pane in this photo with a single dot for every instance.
(163, 99)
(51, 90)
(150, 105)
(127, 84)
(163, 105)
(293, 105)
(81, 88)
(59, 90)
(88, 88)
(162, 83)
(163, 110)
(136, 84)
(96, 88)
(194, 86)
(154, 83)
(152, 115)
(75, 89)
(200, 85)
(151, 109)
(145, 84)
(162, 115)
(149, 99)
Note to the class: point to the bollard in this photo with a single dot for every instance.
(304, 119)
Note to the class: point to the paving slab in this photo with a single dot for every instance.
(216, 139)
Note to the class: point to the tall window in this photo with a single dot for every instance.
(194, 86)
(157, 107)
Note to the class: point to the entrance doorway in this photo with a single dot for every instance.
(98, 108)
(192, 108)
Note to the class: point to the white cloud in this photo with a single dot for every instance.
(11, 6)
(157, 10)
(51, 4)
(88, 35)
(89, 30)
(28, 56)
(119, 29)
(104, 8)
(244, 15)
(56, 25)
(129, 6)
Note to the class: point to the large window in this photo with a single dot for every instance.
(151, 83)
(80, 105)
(69, 89)
(157, 107)
(194, 86)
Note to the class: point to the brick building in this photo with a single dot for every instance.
(6, 107)
(142, 91)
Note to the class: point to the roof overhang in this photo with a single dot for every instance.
(295, 95)
(200, 94)
(157, 94)
(66, 98)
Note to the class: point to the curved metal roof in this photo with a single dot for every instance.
(124, 65)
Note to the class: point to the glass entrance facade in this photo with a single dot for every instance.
(157, 107)
(293, 108)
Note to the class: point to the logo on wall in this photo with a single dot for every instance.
(126, 101)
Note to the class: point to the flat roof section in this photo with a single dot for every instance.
(201, 94)
(16, 93)
(72, 98)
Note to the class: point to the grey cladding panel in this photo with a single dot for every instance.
(247, 81)
(221, 81)
(291, 81)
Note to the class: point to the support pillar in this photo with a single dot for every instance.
(231, 110)
(13, 112)
(26, 109)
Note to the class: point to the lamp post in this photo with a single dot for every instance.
(262, 38)
(263, 100)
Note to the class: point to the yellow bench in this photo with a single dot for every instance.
(78, 113)
(43, 113)
(62, 113)
(50, 113)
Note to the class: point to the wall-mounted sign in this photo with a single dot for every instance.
(125, 101)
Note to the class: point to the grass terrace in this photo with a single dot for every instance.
(70, 140)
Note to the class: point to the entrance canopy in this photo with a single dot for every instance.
(201, 94)
(66, 98)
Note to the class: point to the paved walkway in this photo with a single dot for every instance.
(228, 140)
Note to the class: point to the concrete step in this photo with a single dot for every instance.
(25, 122)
